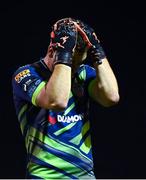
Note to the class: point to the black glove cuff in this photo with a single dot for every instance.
(97, 54)
(63, 58)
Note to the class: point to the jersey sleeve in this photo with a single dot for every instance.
(90, 73)
(27, 83)
(86, 73)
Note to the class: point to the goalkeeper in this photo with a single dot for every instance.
(51, 98)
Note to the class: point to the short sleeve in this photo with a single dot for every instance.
(27, 83)
(86, 73)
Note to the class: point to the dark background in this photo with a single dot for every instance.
(119, 132)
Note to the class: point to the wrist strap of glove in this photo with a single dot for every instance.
(96, 53)
(63, 58)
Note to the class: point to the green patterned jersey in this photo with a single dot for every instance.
(58, 143)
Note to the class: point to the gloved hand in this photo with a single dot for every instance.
(96, 53)
(63, 41)
(95, 50)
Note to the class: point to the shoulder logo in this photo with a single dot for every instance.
(20, 76)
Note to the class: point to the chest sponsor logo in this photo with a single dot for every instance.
(69, 119)
(20, 76)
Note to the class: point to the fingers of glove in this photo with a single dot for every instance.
(87, 33)
(64, 36)
(83, 34)
(63, 41)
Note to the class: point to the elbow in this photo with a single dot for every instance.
(112, 100)
(52, 103)
(115, 99)
(58, 105)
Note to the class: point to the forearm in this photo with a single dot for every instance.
(55, 94)
(106, 79)
(59, 85)
(105, 86)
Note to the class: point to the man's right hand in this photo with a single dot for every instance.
(63, 41)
